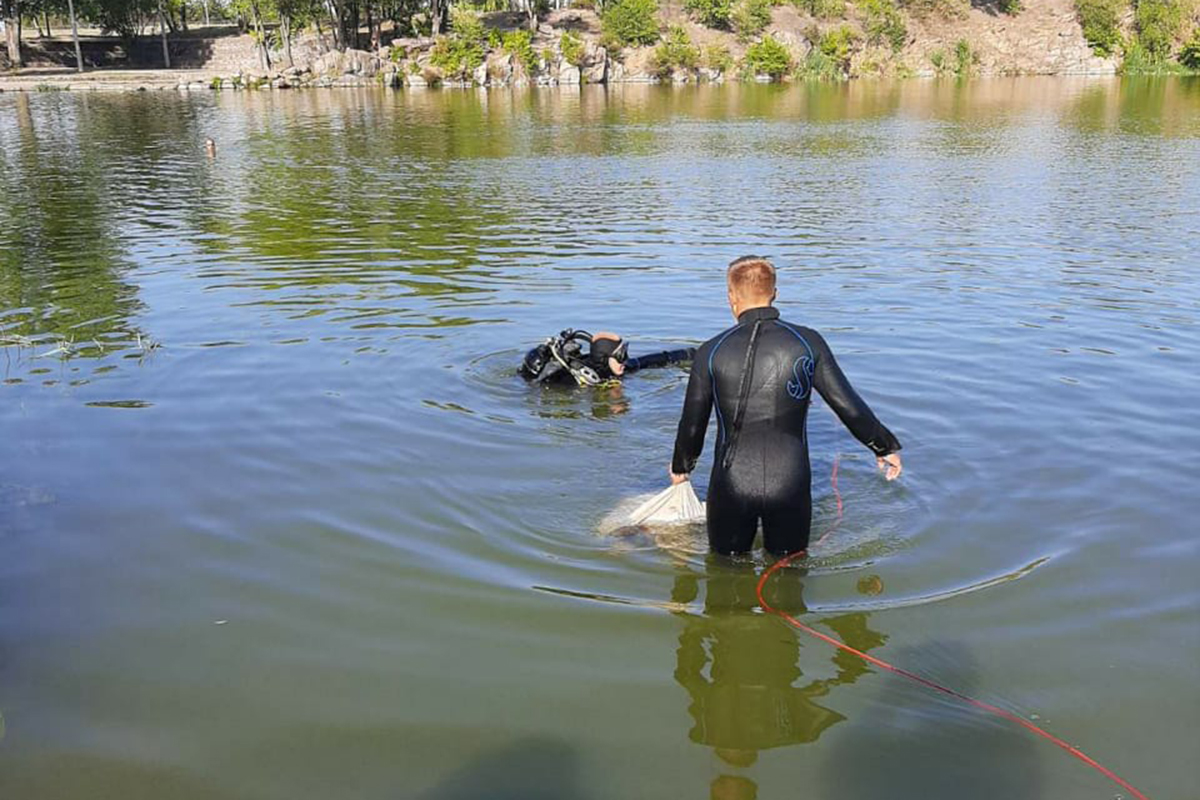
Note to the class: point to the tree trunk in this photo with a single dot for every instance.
(46, 20)
(162, 29)
(264, 58)
(207, 22)
(75, 35)
(320, 34)
(183, 14)
(285, 22)
(12, 31)
(435, 16)
(335, 16)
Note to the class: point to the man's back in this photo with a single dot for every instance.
(760, 376)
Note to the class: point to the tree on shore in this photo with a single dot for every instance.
(12, 30)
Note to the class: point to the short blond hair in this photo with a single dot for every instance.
(752, 278)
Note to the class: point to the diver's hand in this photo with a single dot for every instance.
(890, 466)
(676, 479)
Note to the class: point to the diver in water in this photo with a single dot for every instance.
(760, 375)
(560, 359)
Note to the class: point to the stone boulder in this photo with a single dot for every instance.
(499, 69)
(569, 74)
(595, 64)
(360, 62)
(351, 62)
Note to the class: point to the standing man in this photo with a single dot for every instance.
(760, 375)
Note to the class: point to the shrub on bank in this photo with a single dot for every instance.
(885, 23)
(713, 13)
(572, 49)
(519, 44)
(750, 18)
(716, 56)
(1159, 23)
(769, 57)
(837, 45)
(1101, 21)
(822, 9)
(458, 54)
(950, 9)
(1189, 56)
(676, 51)
(965, 58)
(630, 22)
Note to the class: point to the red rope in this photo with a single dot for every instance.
(988, 707)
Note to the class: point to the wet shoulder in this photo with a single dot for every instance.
(805, 337)
(709, 348)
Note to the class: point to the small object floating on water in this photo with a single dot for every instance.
(221, 622)
(210, 147)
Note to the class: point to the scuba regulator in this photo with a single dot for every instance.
(561, 356)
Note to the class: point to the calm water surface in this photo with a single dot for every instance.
(277, 521)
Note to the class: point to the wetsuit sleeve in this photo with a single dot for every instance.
(697, 408)
(663, 359)
(851, 409)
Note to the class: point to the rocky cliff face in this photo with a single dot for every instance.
(1043, 39)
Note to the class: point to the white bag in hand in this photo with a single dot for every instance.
(673, 506)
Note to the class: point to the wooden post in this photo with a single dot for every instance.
(75, 36)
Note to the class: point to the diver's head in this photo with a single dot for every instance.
(609, 352)
(751, 284)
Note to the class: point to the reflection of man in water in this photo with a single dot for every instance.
(747, 700)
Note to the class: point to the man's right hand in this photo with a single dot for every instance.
(891, 466)
(676, 479)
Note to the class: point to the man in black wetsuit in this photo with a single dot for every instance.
(560, 360)
(760, 375)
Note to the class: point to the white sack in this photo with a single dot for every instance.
(674, 505)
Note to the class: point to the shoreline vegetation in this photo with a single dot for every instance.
(283, 44)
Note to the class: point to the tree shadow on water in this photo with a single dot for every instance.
(534, 768)
(919, 743)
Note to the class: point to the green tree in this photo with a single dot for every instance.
(1189, 56)
(572, 49)
(750, 17)
(713, 13)
(631, 22)
(676, 51)
(769, 57)
(1159, 23)
(1101, 21)
(885, 23)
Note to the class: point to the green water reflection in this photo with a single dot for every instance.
(741, 667)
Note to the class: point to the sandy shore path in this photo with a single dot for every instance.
(100, 80)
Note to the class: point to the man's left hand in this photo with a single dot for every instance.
(675, 478)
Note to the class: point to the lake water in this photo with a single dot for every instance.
(278, 521)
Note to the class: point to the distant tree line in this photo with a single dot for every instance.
(273, 23)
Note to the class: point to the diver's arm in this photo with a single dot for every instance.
(663, 359)
(851, 409)
(697, 408)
